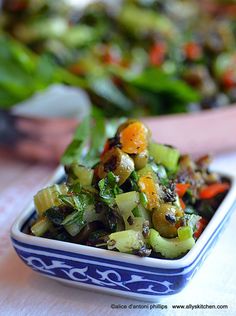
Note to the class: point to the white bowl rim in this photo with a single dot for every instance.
(183, 262)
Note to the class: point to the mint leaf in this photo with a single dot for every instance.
(109, 188)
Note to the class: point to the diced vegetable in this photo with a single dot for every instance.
(141, 211)
(136, 224)
(181, 188)
(157, 54)
(125, 241)
(143, 199)
(169, 248)
(56, 215)
(213, 189)
(146, 171)
(41, 227)
(49, 197)
(73, 229)
(149, 187)
(165, 155)
(201, 224)
(192, 51)
(165, 219)
(118, 162)
(126, 202)
(74, 222)
(140, 160)
(182, 204)
(134, 138)
(185, 232)
(81, 174)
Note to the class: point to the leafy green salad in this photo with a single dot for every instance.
(134, 196)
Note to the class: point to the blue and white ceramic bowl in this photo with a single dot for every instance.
(112, 272)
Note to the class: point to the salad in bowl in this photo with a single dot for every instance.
(139, 197)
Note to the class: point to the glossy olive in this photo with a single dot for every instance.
(120, 163)
(164, 220)
(140, 160)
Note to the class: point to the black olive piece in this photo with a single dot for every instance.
(101, 207)
(58, 233)
(57, 214)
(207, 208)
(142, 252)
(98, 237)
(113, 220)
(169, 193)
(83, 235)
(170, 218)
(146, 229)
(130, 220)
(111, 164)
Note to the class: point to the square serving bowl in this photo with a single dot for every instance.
(113, 272)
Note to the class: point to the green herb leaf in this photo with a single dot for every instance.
(109, 188)
(134, 181)
(79, 202)
(74, 151)
(106, 89)
(75, 217)
(155, 80)
(55, 215)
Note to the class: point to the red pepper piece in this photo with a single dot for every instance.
(212, 190)
(229, 79)
(181, 188)
(192, 51)
(182, 204)
(201, 224)
(157, 54)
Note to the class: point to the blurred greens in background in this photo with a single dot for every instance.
(144, 58)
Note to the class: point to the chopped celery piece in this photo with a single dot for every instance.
(91, 215)
(126, 202)
(165, 155)
(83, 175)
(137, 224)
(140, 211)
(48, 197)
(185, 232)
(126, 241)
(143, 199)
(74, 222)
(73, 229)
(169, 248)
(41, 226)
(147, 170)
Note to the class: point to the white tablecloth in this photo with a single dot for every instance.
(23, 292)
